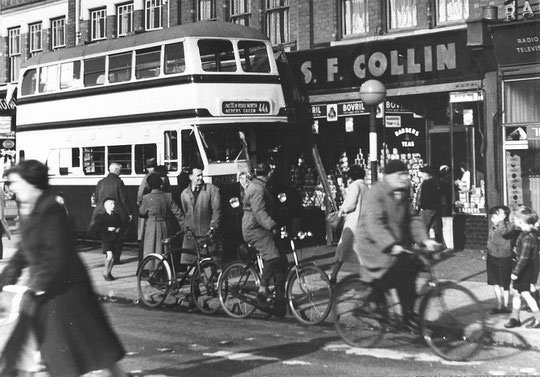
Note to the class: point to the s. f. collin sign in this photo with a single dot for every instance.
(418, 60)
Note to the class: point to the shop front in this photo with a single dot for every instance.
(516, 45)
(432, 114)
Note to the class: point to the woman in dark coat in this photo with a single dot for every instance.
(73, 332)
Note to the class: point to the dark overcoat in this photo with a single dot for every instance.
(73, 332)
(199, 215)
(112, 186)
(257, 221)
(155, 207)
(385, 222)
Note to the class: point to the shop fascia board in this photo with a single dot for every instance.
(396, 92)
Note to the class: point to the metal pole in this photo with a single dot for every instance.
(373, 143)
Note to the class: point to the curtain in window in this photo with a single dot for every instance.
(521, 101)
(355, 16)
(452, 10)
(402, 13)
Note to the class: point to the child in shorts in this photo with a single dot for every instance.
(109, 225)
(499, 257)
(525, 270)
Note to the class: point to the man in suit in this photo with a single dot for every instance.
(388, 225)
(113, 187)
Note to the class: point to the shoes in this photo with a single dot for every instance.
(535, 324)
(512, 323)
(108, 277)
(503, 310)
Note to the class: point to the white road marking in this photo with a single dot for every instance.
(240, 356)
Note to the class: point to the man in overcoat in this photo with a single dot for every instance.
(260, 228)
(113, 187)
(201, 206)
(388, 224)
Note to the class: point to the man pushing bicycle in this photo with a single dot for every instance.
(387, 226)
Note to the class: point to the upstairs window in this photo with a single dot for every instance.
(402, 14)
(354, 16)
(147, 62)
(70, 75)
(58, 33)
(206, 10)
(452, 10)
(14, 52)
(217, 55)
(254, 56)
(277, 21)
(98, 27)
(120, 67)
(94, 71)
(153, 12)
(175, 61)
(240, 12)
(124, 19)
(48, 79)
(36, 38)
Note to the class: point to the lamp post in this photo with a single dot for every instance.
(372, 93)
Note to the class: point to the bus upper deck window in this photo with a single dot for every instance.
(217, 55)
(120, 67)
(48, 79)
(175, 61)
(94, 71)
(29, 82)
(147, 62)
(70, 75)
(254, 56)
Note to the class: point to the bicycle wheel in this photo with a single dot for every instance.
(237, 279)
(154, 280)
(452, 321)
(309, 294)
(357, 318)
(204, 286)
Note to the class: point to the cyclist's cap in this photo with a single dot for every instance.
(262, 168)
(395, 166)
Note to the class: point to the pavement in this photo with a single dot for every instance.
(467, 267)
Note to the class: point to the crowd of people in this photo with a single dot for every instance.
(381, 225)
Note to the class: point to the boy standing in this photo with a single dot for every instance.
(525, 271)
(499, 257)
(108, 225)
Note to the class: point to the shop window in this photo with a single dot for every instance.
(217, 55)
(402, 13)
(94, 161)
(121, 154)
(277, 21)
(354, 16)
(48, 79)
(70, 75)
(28, 85)
(94, 71)
(206, 10)
(120, 67)
(175, 61)
(142, 153)
(521, 99)
(191, 156)
(452, 10)
(240, 12)
(254, 56)
(147, 62)
(171, 150)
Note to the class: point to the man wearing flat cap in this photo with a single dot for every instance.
(388, 225)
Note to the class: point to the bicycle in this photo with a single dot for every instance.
(451, 319)
(158, 275)
(308, 290)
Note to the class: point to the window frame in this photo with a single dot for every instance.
(464, 11)
(35, 37)
(58, 33)
(98, 24)
(392, 23)
(240, 15)
(151, 7)
(124, 11)
(204, 7)
(347, 20)
(280, 15)
(14, 53)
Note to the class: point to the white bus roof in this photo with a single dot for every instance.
(197, 29)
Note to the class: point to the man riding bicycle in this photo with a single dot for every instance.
(387, 226)
(260, 230)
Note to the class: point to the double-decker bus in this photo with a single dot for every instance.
(182, 94)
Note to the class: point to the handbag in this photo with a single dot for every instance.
(336, 222)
